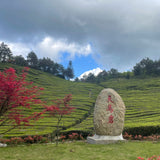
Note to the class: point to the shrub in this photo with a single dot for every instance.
(140, 137)
(143, 130)
(23, 140)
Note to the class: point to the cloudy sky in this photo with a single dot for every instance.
(92, 33)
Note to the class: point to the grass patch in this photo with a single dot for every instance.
(129, 150)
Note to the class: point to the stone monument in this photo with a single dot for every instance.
(109, 113)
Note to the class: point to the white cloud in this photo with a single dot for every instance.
(56, 48)
(18, 48)
(93, 71)
(52, 48)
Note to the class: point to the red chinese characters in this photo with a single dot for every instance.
(110, 99)
(110, 120)
(110, 108)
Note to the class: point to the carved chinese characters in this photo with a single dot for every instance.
(109, 113)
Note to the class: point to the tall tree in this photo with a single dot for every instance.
(5, 53)
(145, 67)
(42, 64)
(19, 60)
(55, 69)
(69, 73)
(137, 70)
(60, 71)
(102, 76)
(113, 73)
(46, 64)
(157, 67)
(32, 60)
(91, 78)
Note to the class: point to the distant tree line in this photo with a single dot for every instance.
(104, 76)
(32, 61)
(145, 68)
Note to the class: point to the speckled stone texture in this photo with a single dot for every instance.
(109, 113)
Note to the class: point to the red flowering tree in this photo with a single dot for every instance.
(17, 95)
(60, 108)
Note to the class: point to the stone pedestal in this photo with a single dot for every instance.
(98, 139)
(3, 145)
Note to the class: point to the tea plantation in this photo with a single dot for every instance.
(141, 97)
(142, 101)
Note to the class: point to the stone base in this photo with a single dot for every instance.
(98, 139)
(3, 145)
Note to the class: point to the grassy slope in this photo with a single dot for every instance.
(57, 88)
(141, 97)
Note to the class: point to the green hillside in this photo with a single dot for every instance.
(141, 97)
(142, 101)
(83, 99)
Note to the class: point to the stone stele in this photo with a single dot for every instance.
(109, 113)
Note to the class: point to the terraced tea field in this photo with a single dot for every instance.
(141, 97)
(142, 100)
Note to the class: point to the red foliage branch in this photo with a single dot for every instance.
(17, 95)
(60, 109)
